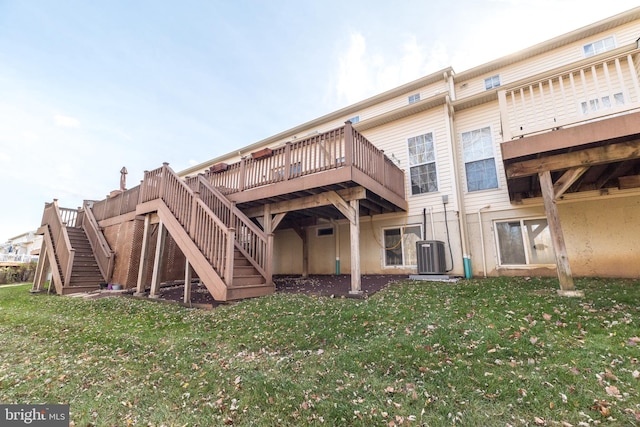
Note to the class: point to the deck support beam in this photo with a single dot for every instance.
(187, 282)
(302, 233)
(144, 253)
(40, 269)
(354, 228)
(567, 287)
(157, 261)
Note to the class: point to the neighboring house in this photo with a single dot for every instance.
(23, 248)
(526, 165)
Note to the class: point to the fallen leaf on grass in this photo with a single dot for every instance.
(602, 406)
(612, 391)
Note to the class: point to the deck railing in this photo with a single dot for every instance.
(57, 219)
(249, 238)
(334, 149)
(119, 204)
(22, 258)
(603, 87)
(101, 250)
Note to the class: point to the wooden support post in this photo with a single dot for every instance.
(302, 233)
(157, 262)
(565, 278)
(354, 226)
(144, 253)
(348, 144)
(38, 278)
(187, 283)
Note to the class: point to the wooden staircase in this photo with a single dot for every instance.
(247, 280)
(85, 273)
(230, 254)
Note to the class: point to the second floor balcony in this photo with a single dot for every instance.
(581, 123)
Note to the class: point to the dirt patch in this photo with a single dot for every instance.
(318, 285)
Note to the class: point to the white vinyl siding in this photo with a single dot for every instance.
(393, 137)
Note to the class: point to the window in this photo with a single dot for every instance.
(480, 166)
(320, 232)
(354, 119)
(400, 245)
(599, 46)
(492, 82)
(295, 169)
(603, 103)
(524, 242)
(422, 164)
(414, 98)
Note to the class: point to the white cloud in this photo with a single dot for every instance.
(66, 121)
(362, 74)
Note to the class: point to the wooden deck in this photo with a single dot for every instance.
(335, 174)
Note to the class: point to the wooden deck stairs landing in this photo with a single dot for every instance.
(229, 253)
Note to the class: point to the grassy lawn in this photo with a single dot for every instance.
(489, 352)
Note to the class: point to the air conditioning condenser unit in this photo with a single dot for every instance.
(431, 257)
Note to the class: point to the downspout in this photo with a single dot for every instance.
(484, 258)
(336, 232)
(449, 111)
(433, 228)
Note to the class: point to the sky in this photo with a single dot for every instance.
(87, 87)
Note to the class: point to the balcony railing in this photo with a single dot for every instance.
(15, 258)
(601, 88)
(338, 148)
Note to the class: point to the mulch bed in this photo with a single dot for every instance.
(317, 285)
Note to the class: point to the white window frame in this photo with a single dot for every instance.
(414, 98)
(492, 82)
(404, 244)
(433, 162)
(599, 46)
(525, 243)
(474, 159)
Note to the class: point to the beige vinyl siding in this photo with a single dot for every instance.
(570, 53)
(486, 115)
(393, 139)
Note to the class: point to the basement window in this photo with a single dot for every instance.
(322, 232)
(400, 246)
(524, 242)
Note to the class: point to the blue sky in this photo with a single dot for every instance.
(87, 87)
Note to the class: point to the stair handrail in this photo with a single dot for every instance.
(101, 250)
(60, 238)
(204, 228)
(250, 240)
